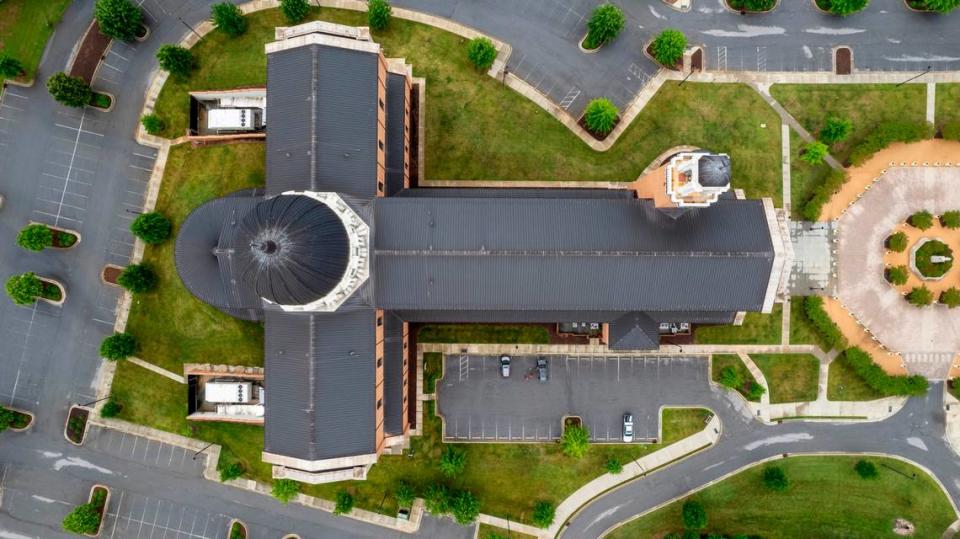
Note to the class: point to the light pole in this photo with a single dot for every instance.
(94, 402)
(915, 77)
(188, 26)
(202, 450)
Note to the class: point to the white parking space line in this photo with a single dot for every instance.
(79, 129)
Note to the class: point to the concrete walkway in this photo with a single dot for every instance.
(763, 88)
(159, 370)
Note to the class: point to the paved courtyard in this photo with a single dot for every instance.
(478, 404)
(813, 263)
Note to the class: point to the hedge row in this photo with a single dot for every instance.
(875, 377)
(822, 193)
(885, 135)
(951, 131)
(828, 330)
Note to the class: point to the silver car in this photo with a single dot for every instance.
(542, 369)
(628, 427)
(505, 366)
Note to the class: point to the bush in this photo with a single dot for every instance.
(951, 131)
(84, 519)
(922, 220)
(111, 408)
(950, 297)
(231, 471)
(229, 19)
(452, 461)
(481, 53)
(814, 153)
(24, 289)
(575, 441)
(69, 91)
(118, 346)
(694, 515)
(836, 130)
(866, 469)
(775, 479)
(118, 19)
(822, 193)
(465, 507)
(404, 494)
(138, 278)
(731, 378)
(755, 391)
(874, 376)
(344, 503)
(153, 124)
(436, 499)
(897, 242)
(378, 14)
(829, 331)
(613, 466)
(152, 228)
(294, 11)
(35, 237)
(897, 275)
(543, 514)
(7, 417)
(920, 296)
(950, 219)
(600, 116)
(605, 23)
(842, 7)
(940, 6)
(886, 134)
(285, 489)
(752, 5)
(175, 59)
(668, 47)
(10, 67)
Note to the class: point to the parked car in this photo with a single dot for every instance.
(542, 369)
(505, 366)
(628, 427)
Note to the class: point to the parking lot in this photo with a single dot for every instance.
(478, 404)
(143, 451)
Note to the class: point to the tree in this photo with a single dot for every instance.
(35, 237)
(69, 91)
(922, 220)
(897, 275)
(613, 466)
(294, 11)
(229, 19)
(950, 219)
(814, 153)
(10, 67)
(285, 490)
(344, 503)
(153, 124)
(231, 471)
(950, 297)
(118, 346)
(436, 499)
(775, 479)
(668, 47)
(836, 130)
(731, 378)
(24, 289)
(897, 242)
(138, 278)
(465, 507)
(694, 515)
(481, 52)
(404, 494)
(152, 228)
(111, 408)
(605, 23)
(600, 116)
(452, 462)
(84, 519)
(378, 14)
(846, 7)
(118, 19)
(575, 441)
(176, 60)
(866, 469)
(543, 514)
(942, 6)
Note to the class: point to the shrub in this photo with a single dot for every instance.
(842, 7)
(138, 278)
(118, 346)
(897, 242)
(922, 220)
(613, 466)
(465, 507)
(940, 6)
(231, 471)
(436, 499)
(694, 515)
(886, 134)
(752, 5)
(731, 378)
(836, 130)
(24, 289)
(452, 462)
(7, 417)
(920, 296)
(69, 91)
(153, 124)
(605, 23)
(950, 297)
(84, 519)
(951, 131)
(600, 116)
(152, 228)
(829, 331)
(294, 11)
(897, 275)
(874, 376)
(118, 19)
(822, 193)
(668, 47)
(575, 441)
(543, 514)
(755, 391)
(229, 19)
(378, 14)
(814, 153)
(111, 408)
(481, 53)
(176, 60)
(950, 219)
(35, 237)
(344, 503)
(775, 479)
(866, 469)
(285, 489)
(404, 494)
(10, 67)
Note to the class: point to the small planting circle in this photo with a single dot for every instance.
(932, 259)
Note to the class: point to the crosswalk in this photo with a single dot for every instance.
(932, 365)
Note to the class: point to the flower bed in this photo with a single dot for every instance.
(76, 427)
(111, 273)
(925, 266)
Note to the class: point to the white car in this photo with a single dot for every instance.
(505, 366)
(628, 427)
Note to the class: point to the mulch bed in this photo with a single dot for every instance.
(238, 531)
(111, 273)
(62, 240)
(91, 51)
(20, 421)
(844, 61)
(51, 291)
(76, 423)
(582, 123)
(744, 10)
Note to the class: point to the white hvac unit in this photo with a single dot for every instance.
(228, 391)
(233, 119)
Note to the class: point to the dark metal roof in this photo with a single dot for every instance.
(393, 355)
(568, 255)
(322, 128)
(321, 373)
(714, 170)
(396, 125)
(634, 331)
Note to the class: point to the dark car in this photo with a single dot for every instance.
(542, 369)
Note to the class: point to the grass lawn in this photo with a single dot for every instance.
(804, 178)
(171, 325)
(802, 331)
(25, 27)
(948, 104)
(757, 328)
(678, 423)
(826, 498)
(478, 129)
(866, 105)
(954, 387)
(843, 384)
(790, 377)
(483, 333)
(432, 370)
(722, 361)
(486, 531)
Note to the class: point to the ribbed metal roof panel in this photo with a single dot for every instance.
(393, 355)
(396, 124)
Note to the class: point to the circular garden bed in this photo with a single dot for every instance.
(932, 259)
